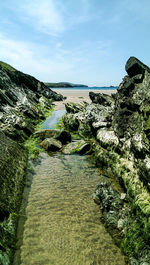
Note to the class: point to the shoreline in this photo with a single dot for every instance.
(78, 95)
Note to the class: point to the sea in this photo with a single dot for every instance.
(86, 88)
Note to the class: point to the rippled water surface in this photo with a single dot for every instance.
(63, 224)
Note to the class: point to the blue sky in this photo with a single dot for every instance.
(82, 41)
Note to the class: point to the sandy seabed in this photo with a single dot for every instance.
(77, 96)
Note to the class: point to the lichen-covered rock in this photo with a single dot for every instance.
(107, 138)
(74, 107)
(13, 163)
(101, 98)
(71, 122)
(120, 125)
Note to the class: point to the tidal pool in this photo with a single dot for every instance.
(60, 224)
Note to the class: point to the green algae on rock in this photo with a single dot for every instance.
(120, 125)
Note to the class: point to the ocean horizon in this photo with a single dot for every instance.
(86, 88)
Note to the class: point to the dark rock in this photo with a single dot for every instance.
(102, 99)
(135, 67)
(51, 144)
(23, 98)
(63, 136)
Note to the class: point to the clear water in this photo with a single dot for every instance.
(60, 223)
(50, 122)
(63, 224)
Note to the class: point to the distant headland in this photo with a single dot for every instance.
(63, 84)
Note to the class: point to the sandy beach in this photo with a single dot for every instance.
(77, 96)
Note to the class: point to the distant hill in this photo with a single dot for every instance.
(63, 84)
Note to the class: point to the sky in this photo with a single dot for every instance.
(78, 41)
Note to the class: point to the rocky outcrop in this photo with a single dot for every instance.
(24, 101)
(119, 126)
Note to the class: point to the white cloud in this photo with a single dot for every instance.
(24, 57)
(43, 15)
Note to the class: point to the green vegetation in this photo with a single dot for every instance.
(6, 66)
(60, 124)
(33, 148)
(32, 144)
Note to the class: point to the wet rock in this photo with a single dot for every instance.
(79, 147)
(63, 136)
(109, 200)
(51, 144)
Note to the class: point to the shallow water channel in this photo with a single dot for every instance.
(61, 224)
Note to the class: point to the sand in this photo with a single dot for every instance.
(77, 96)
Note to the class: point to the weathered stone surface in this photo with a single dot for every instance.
(75, 108)
(71, 122)
(22, 99)
(121, 127)
(51, 144)
(101, 98)
(107, 138)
